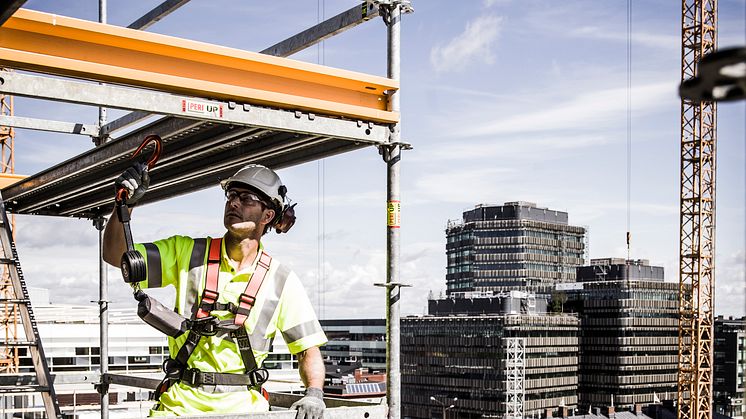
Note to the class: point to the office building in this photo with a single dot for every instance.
(355, 342)
(513, 361)
(730, 363)
(629, 332)
(514, 246)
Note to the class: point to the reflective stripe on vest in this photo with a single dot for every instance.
(197, 262)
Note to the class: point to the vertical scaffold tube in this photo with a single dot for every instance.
(103, 300)
(103, 317)
(102, 19)
(393, 371)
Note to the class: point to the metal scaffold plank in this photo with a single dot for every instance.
(196, 155)
(119, 97)
(65, 46)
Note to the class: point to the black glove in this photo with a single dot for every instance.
(135, 180)
(311, 406)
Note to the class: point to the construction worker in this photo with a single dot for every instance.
(217, 372)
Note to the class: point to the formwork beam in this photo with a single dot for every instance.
(47, 43)
(304, 39)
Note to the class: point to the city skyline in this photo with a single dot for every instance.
(501, 102)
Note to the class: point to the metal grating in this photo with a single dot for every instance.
(196, 155)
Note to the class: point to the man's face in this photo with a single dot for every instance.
(245, 213)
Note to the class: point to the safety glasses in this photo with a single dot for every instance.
(246, 198)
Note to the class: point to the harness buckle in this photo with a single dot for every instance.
(246, 299)
(206, 326)
(209, 297)
(195, 377)
(190, 376)
(172, 368)
(245, 303)
(258, 377)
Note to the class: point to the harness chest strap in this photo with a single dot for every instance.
(247, 299)
(245, 303)
(210, 293)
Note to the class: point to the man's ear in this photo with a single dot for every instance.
(269, 215)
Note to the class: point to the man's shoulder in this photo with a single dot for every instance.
(282, 271)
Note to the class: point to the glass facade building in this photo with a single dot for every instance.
(730, 362)
(514, 246)
(629, 332)
(468, 357)
(353, 341)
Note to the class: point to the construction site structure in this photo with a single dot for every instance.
(505, 364)
(697, 219)
(216, 109)
(515, 371)
(9, 324)
(19, 299)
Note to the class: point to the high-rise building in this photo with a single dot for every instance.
(514, 246)
(730, 365)
(515, 362)
(629, 332)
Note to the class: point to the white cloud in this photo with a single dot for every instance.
(460, 185)
(525, 146)
(474, 45)
(730, 284)
(490, 3)
(593, 109)
(646, 39)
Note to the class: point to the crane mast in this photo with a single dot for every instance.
(697, 219)
(8, 311)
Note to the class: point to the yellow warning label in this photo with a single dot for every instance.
(394, 214)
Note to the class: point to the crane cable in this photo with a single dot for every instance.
(629, 124)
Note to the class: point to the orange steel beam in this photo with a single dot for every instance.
(59, 45)
(7, 179)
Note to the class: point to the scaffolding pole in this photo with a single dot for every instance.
(103, 304)
(393, 160)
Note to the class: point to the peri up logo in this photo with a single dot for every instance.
(197, 107)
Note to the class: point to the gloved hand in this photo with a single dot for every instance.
(311, 406)
(135, 180)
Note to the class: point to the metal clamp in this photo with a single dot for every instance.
(406, 5)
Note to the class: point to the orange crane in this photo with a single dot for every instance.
(697, 219)
(8, 311)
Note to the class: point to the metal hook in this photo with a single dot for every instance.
(121, 195)
(155, 139)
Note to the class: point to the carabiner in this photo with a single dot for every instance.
(155, 139)
(121, 194)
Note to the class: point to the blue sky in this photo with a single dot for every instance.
(503, 101)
